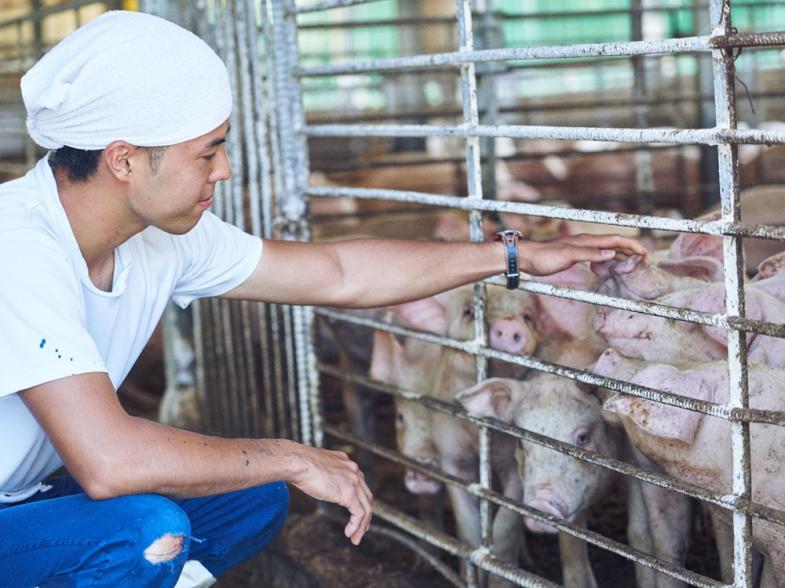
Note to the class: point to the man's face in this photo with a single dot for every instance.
(174, 197)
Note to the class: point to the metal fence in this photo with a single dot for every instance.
(720, 43)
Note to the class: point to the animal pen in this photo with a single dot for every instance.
(337, 86)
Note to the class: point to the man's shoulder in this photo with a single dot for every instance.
(25, 207)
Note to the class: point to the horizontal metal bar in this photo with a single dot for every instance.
(709, 136)
(509, 16)
(520, 508)
(327, 5)
(769, 39)
(624, 11)
(652, 308)
(387, 22)
(573, 105)
(457, 58)
(726, 501)
(709, 408)
(716, 227)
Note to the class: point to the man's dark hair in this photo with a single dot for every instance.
(80, 164)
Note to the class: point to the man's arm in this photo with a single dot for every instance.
(112, 454)
(379, 272)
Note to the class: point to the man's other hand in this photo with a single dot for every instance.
(332, 476)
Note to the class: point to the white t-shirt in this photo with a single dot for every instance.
(56, 323)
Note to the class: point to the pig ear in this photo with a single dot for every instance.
(696, 245)
(770, 267)
(714, 301)
(384, 358)
(610, 411)
(428, 314)
(604, 269)
(560, 314)
(703, 268)
(665, 421)
(491, 398)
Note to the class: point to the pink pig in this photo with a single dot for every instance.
(695, 448)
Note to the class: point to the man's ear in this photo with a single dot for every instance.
(121, 158)
(492, 398)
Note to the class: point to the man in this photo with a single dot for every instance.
(93, 242)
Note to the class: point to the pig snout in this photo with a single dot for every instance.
(509, 335)
(419, 483)
(546, 505)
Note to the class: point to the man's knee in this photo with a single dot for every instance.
(165, 548)
(164, 526)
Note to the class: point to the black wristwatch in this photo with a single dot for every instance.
(509, 239)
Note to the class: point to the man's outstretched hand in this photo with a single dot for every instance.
(548, 257)
(332, 476)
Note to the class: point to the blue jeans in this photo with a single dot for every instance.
(62, 538)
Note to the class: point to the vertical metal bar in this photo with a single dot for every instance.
(265, 121)
(644, 178)
(291, 200)
(197, 309)
(725, 105)
(705, 109)
(247, 53)
(486, 96)
(225, 43)
(474, 185)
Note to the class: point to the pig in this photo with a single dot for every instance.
(670, 341)
(410, 365)
(691, 261)
(563, 486)
(511, 316)
(689, 445)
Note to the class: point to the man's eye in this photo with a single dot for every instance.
(209, 157)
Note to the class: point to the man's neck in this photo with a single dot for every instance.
(100, 219)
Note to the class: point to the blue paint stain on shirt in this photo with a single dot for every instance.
(42, 343)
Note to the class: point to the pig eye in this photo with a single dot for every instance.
(399, 421)
(583, 439)
(528, 318)
(468, 311)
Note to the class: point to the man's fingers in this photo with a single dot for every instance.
(359, 505)
(355, 520)
(591, 254)
(617, 242)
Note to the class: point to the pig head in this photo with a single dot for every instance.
(561, 409)
(670, 341)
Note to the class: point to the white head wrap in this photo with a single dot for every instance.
(126, 76)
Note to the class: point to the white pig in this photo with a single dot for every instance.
(695, 448)
(566, 487)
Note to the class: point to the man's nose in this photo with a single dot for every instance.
(223, 167)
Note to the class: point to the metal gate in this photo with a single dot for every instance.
(270, 150)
